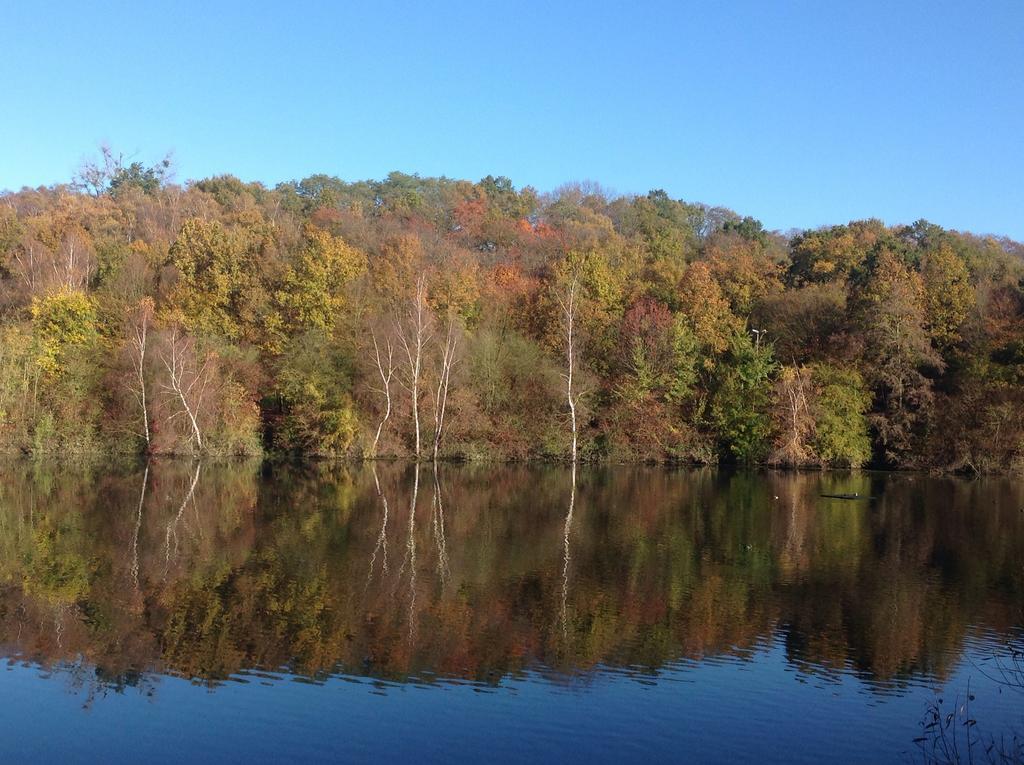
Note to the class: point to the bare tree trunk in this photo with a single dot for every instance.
(795, 419)
(569, 309)
(186, 383)
(138, 341)
(71, 264)
(385, 376)
(65, 279)
(27, 264)
(441, 399)
(413, 346)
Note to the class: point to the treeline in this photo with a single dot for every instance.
(447, 319)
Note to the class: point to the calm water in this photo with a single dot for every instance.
(252, 614)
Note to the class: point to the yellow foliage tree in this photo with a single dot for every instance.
(706, 310)
(218, 289)
(312, 295)
(62, 320)
(948, 295)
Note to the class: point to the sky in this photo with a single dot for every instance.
(800, 114)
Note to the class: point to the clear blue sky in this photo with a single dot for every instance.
(799, 113)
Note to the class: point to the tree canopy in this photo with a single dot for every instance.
(273, 315)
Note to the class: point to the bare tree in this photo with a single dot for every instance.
(73, 264)
(386, 373)
(94, 175)
(795, 420)
(570, 307)
(187, 381)
(414, 339)
(443, 382)
(59, 255)
(138, 335)
(98, 176)
(26, 258)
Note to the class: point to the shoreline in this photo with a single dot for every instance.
(92, 459)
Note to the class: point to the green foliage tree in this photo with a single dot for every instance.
(313, 410)
(842, 436)
(742, 399)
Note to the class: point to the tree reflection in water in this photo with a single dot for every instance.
(236, 567)
(566, 555)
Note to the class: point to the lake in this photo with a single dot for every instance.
(260, 612)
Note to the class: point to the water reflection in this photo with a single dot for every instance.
(208, 571)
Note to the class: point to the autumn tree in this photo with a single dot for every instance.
(706, 311)
(832, 254)
(948, 295)
(890, 311)
(312, 295)
(901, 345)
(215, 284)
(820, 418)
(66, 408)
(745, 263)
(311, 409)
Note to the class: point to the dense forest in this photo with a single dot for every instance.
(439, 319)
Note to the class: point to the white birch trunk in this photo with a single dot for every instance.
(185, 385)
(569, 308)
(441, 398)
(385, 376)
(413, 346)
